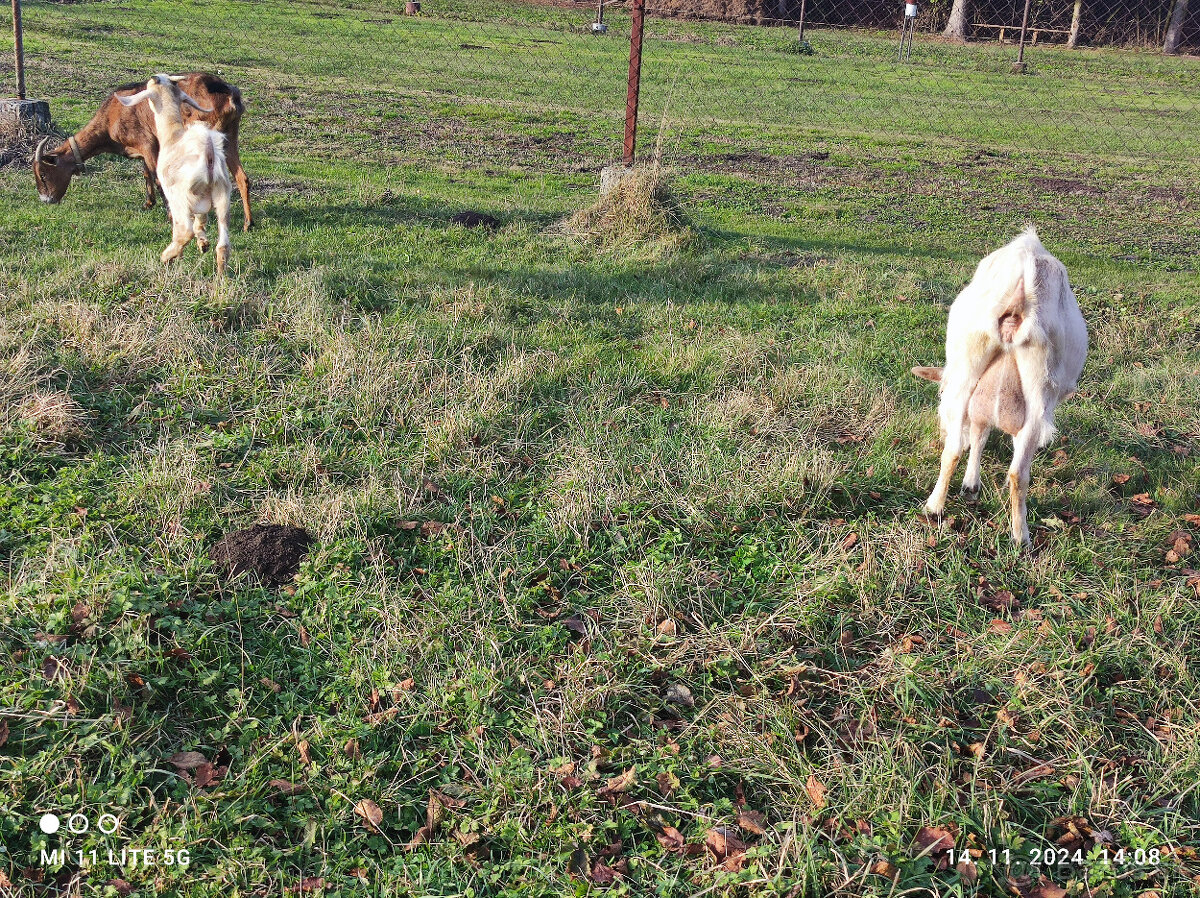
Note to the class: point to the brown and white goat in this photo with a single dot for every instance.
(129, 131)
(1015, 346)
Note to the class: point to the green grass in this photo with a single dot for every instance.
(666, 445)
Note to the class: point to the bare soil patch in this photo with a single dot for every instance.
(272, 552)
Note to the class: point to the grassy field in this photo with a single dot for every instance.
(617, 544)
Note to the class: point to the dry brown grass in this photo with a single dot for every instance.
(19, 137)
(55, 415)
(638, 207)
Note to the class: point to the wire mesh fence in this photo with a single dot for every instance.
(542, 84)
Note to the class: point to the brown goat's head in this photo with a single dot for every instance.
(52, 171)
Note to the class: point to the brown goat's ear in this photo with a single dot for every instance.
(933, 374)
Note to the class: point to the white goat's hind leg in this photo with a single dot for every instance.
(221, 207)
(958, 383)
(200, 223)
(1025, 447)
(181, 236)
(951, 453)
(979, 435)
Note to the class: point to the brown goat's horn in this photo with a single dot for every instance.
(40, 151)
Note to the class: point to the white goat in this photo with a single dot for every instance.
(1015, 347)
(191, 168)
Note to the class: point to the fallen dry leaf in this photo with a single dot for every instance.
(968, 871)
(283, 787)
(207, 775)
(3, 732)
(187, 760)
(670, 838)
(54, 668)
(752, 822)
(619, 784)
(602, 874)
(1047, 889)
(382, 716)
(934, 840)
(883, 868)
(1142, 504)
(304, 749)
(726, 847)
(371, 813)
(309, 884)
(816, 791)
(667, 781)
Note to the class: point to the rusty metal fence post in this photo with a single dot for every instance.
(18, 49)
(635, 79)
(1019, 65)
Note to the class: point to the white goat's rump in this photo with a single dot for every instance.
(197, 165)
(1015, 347)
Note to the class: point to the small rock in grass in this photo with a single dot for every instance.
(678, 694)
(273, 552)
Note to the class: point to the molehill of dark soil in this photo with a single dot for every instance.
(476, 220)
(273, 552)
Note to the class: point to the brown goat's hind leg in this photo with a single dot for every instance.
(234, 161)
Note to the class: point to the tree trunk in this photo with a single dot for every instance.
(1075, 16)
(956, 28)
(1175, 29)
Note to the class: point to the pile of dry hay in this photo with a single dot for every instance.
(637, 206)
(19, 138)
